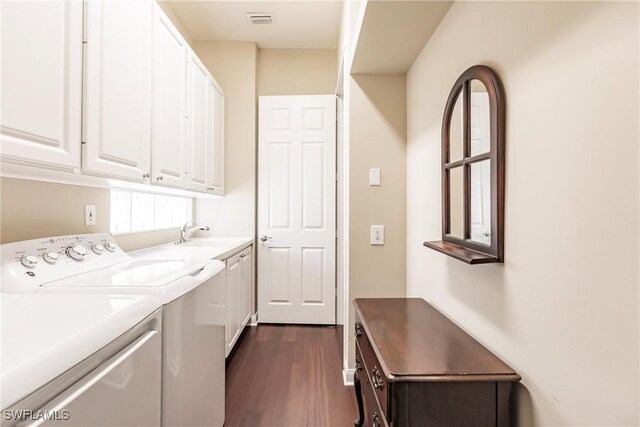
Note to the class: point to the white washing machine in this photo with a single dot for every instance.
(192, 293)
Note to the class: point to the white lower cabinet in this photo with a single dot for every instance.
(246, 286)
(41, 81)
(239, 295)
(117, 101)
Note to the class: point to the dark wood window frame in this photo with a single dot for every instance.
(463, 248)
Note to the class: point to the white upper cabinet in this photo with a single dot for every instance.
(199, 118)
(216, 169)
(169, 103)
(111, 89)
(117, 101)
(41, 83)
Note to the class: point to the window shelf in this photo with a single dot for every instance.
(461, 253)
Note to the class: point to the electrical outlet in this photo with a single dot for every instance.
(374, 177)
(377, 234)
(89, 214)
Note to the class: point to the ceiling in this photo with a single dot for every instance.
(393, 34)
(298, 24)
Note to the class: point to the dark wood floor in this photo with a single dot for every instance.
(288, 376)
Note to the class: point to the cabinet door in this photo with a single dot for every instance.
(216, 178)
(198, 124)
(247, 285)
(41, 96)
(234, 279)
(117, 102)
(169, 104)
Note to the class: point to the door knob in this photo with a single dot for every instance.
(264, 238)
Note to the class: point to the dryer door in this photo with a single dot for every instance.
(124, 391)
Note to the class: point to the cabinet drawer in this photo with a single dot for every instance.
(373, 414)
(372, 366)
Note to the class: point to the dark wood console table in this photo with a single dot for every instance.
(414, 367)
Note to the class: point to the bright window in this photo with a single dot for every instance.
(132, 211)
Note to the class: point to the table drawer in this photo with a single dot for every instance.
(376, 376)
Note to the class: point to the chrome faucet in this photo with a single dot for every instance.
(184, 233)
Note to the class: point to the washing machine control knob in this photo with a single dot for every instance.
(51, 257)
(77, 252)
(97, 249)
(110, 247)
(29, 261)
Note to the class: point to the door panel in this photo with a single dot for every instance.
(278, 276)
(169, 103)
(41, 111)
(313, 276)
(313, 191)
(296, 209)
(279, 182)
(117, 125)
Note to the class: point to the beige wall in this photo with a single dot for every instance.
(32, 209)
(297, 71)
(377, 140)
(563, 308)
(233, 65)
(167, 8)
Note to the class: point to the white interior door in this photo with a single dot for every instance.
(296, 209)
(481, 171)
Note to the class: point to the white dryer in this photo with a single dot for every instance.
(79, 360)
(192, 293)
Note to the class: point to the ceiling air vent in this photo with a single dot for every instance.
(260, 18)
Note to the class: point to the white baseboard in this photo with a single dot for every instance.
(254, 320)
(347, 376)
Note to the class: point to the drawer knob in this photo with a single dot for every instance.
(375, 420)
(358, 332)
(376, 378)
(358, 363)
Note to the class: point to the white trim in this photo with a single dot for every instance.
(344, 177)
(254, 320)
(347, 376)
(34, 173)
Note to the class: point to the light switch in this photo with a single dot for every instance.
(89, 214)
(374, 176)
(377, 234)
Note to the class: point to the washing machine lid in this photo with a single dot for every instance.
(136, 273)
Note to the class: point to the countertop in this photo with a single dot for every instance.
(204, 248)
